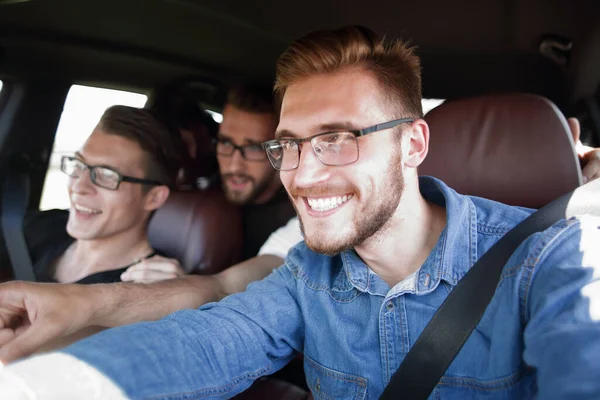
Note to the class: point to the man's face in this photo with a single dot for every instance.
(99, 213)
(364, 195)
(243, 180)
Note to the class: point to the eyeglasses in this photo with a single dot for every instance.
(331, 148)
(249, 152)
(101, 176)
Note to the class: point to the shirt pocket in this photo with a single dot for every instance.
(328, 384)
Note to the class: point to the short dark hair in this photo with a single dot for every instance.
(255, 98)
(163, 153)
(190, 116)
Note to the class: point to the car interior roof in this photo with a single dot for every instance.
(467, 46)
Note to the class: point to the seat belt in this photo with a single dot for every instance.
(15, 198)
(454, 321)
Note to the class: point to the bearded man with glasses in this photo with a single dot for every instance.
(249, 119)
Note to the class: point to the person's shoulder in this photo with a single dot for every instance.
(560, 265)
(578, 235)
(494, 218)
(566, 251)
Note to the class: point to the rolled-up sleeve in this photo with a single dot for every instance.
(562, 310)
(214, 352)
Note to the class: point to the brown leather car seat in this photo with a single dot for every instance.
(200, 229)
(513, 148)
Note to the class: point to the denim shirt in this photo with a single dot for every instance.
(540, 335)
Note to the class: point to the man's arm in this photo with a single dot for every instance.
(561, 303)
(129, 303)
(215, 352)
(31, 315)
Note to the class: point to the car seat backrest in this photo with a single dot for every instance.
(200, 229)
(513, 148)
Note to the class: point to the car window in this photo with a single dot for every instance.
(83, 108)
(430, 104)
(217, 116)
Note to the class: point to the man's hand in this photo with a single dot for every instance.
(591, 163)
(33, 314)
(589, 157)
(153, 269)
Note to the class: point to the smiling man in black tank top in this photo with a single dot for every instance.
(116, 180)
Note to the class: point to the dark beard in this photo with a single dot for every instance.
(258, 189)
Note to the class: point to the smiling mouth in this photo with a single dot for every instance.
(327, 203)
(238, 182)
(85, 210)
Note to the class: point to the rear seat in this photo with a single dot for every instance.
(200, 229)
(513, 148)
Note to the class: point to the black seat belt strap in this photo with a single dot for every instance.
(15, 198)
(453, 323)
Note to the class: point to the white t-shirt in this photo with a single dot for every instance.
(283, 239)
(55, 376)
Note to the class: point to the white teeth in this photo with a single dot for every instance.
(86, 210)
(328, 203)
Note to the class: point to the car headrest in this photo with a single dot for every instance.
(513, 148)
(200, 229)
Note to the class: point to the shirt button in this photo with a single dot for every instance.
(427, 280)
(390, 306)
(318, 386)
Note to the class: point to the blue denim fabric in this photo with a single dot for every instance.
(539, 336)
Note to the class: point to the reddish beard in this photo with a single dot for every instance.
(370, 216)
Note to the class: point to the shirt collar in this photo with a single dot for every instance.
(452, 256)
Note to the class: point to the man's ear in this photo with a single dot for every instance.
(575, 129)
(156, 197)
(415, 143)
